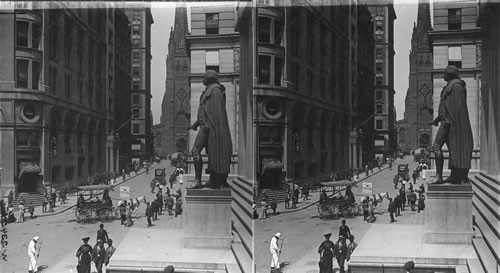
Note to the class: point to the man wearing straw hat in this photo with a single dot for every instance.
(33, 254)
(275, 252)
(341, 252)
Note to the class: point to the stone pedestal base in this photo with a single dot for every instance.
(449, 214)
(207, 218)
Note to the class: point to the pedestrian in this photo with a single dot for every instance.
(20, 213)
(84, 254)
(326, 250)
(171, 180)
(395, 180)
(33, 254)
(123, 175)
(392, 209)
(109, 252)
(54, 199)
(159, 199)
(99, 255)
(402, 196)
(341, 252)
(263, 207)
(422, 188)
(102, 234)
(364, 205)
(296, 195)
(351, 247)
(421, 202)
(274, 206)
(344, 230)
(170, 204)
(10, 215)
(371, 211)
(123, 212)
(128, 210)
(287, 200)
(398, 204)
(275, 252)
(3, 213)
(409, 266)
(181, 176)
(152, 185)
(31, 210)
(178, 207)
(149, 213)
(45, 203)
(154, 207)
(413, 200)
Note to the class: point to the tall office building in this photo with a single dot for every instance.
(56, 104)
(141, 125)
(384, 122)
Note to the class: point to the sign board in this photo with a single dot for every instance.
(367, 188)
(125, 192)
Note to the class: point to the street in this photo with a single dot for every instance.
(303, 230)
(61, 235)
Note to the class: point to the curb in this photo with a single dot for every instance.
(72, 206)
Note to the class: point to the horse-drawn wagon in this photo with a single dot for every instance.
(337, 205)
(93, 210)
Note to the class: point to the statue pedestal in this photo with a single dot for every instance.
(449, 214)
(207, 218)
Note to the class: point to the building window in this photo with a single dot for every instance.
(68, 39)
(135, 71)
(212, 60)
(135, 113)
(136, 42)
(379, 80)
(136, 99)
(136, 84)
(264, 29)
(379, 124)
(378, 95)
(278, 70)
(91, 94)
(212, 23)
(80, 91)
(135, 57)
(378, 67)
(53, 79)
(136, 29)
(35, 74)
(135, 129)
(67, 142)
(454, 19)
(378, 54)
(22, 33)
(22, 73)
(264, 69)
(455, 56)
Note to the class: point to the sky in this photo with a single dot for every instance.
(163, 15)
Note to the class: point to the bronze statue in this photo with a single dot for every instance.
(214, 134)
(454, 130)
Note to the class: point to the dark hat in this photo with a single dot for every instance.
(86, 239)
(409, 265)
(451, 69)
(211, 74)
(110, 241)
(101, 225)
(327, 234)
(351, 238)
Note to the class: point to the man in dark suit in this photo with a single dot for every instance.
(392, 209)
(341, 252)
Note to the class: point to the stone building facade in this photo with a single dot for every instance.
(214, 44)
(172, 134)
(306, 92)
(140, 19)
(383, 15)
(56, 99)
(456, 40)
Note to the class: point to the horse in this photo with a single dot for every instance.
(377, 198)
(135, 203)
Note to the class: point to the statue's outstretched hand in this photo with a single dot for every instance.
(434, 122)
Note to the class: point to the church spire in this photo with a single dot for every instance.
(423, 23)
(180, 26)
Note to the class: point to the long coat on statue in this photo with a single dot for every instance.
(453, 109)
(212, 113)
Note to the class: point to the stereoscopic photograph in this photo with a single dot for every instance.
(294, 136)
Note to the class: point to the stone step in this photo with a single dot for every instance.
(242, 199)
(474, 265)
(487, 260)
(245, 261)
(487, 204)
(243, 226)
(232, 268)
(489, 235)
(243, 184)
(278, 195)
(33, 197)
(489, 189)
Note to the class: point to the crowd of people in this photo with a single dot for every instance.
(100, 255)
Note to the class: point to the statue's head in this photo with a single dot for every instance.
(210, 77)
(450, 73)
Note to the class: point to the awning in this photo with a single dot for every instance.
(28, 167)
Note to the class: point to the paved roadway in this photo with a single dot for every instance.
(61, 234)
(303, 230)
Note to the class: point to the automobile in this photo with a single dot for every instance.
(403, 171)
(160, 176)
